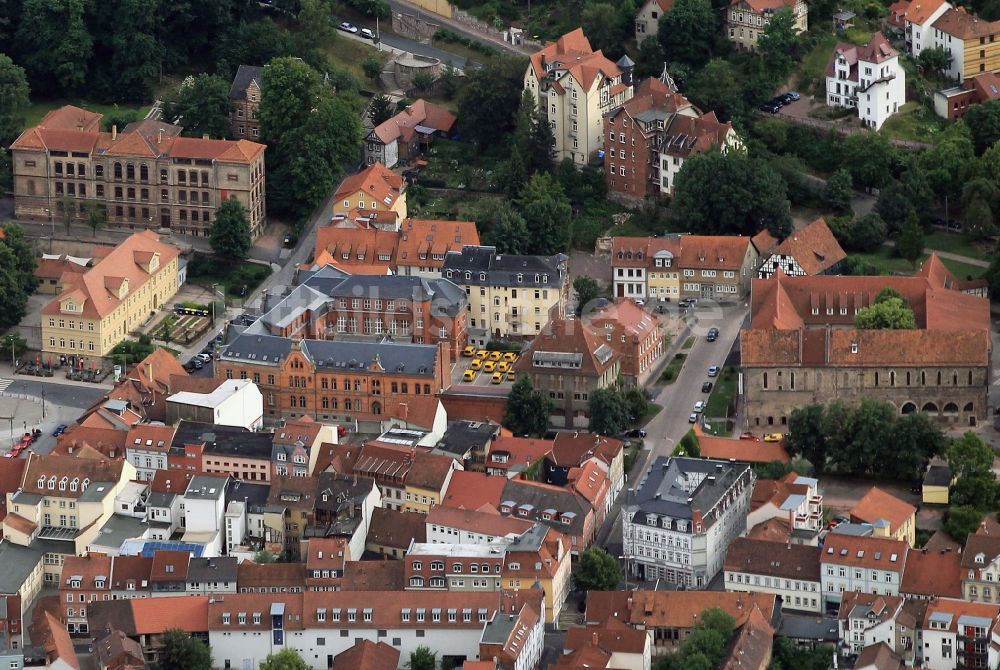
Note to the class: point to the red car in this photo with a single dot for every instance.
(341, 431)
(749, 436)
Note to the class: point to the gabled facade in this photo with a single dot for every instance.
(869, 79)
(574, 86)
(374, 190)
(969, 40)
(403, 137)
(811, 250)
(917, 22)
(747, 20)
(244, 102)
(647, 20)
(863, 564)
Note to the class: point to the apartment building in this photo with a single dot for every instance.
(957, 634)
(864, 564)
(793, 499)
(634, 333)
(970, 41)
(97, 309)
(869, 79)
(376, 192)
(559, 508)
(412, 480)
(575, 86)
(509, 295)
(680, 521)
(145, 176)
(941, 367)
(244, 102)
(981, 567)
(146, 448)
(682, 266)
(918, 20)
(374, 383)
(569, 362)
(747, 20)
(790, 571)
(647, 20)
(86, 579)
(450, 525)
(865, 619)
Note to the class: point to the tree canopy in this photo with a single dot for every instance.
(910, 244)
(230, 232)
(527, 411)
(546, 210)
(890, 314)
(13, 99)
(422, 658)
(608, 411)
(17, 275)
(488, 102)
(687, 32)
(201, 106)
(286, 659)
(181, 651)
(597, 570)
(587, 291)
(731, 194)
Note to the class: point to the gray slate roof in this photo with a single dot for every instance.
(502, 269)
(232, 440)
(444, 294)
(676, 486)
(244, 75)
(254, 495)
(463, 436)
(218, 569)
(543, 498)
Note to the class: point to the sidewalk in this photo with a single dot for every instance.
(463, 28)
(58, 378)
(958, 258)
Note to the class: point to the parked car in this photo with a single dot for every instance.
(692, 418)
(771, 107)
(367, 33)
(348, 27)
(197, 363)
(713, 334)
(204, 357)
(699, 407)
(60, 429)
(774, 437)
(750, 437)
(706, 387)
(713, 371)
(636, 432)
(792, 95)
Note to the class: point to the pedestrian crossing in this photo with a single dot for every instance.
(4, 383)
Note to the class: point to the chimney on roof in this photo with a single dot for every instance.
(205, 136)
(159, 136)
(114, 132)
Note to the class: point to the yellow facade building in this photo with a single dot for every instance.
(376, 192)
(888, 515)
(97, 309)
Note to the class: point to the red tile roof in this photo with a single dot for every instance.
(575, 448)
(55, 468)
(611, 636)
(673, 609)
(472, 490)
(751, 647)
(920, 11)
(420, 113)
(11, 473)
(760, 557)
(393, 528)
(570, 336)
(266, 575)
(933, 574)
(877, 505)
(374, 575)
(134, 569)
(153, 616)
(487, 521)
(421, 240)
(958, 22)
(367, 655)
(726, 448)
(865, 552)
(507, 452)
(375, 181)
(814, 248)
(170, 566)
(573, 53)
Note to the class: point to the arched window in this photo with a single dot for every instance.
(417, 581)
(929, 407)
(144, 173)
(908, 408)
(326, 403)
(376, 408)
(118, 170)
(302, 401)
(130, 171)
(950, 408)
(75, 484)
(292, 400)
(969, 407)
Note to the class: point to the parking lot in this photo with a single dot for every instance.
(483, 376)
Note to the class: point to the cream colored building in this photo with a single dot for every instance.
(575, 86)
(509, 296)
(747, 20)
(99, 308)
(647, 20)
(376, 193)
(147, 175)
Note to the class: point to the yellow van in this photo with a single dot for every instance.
(469, 376)
(496, 378)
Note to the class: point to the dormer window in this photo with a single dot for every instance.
(52, 482)
(980, 558)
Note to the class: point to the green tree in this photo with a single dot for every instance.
(961, 521)
(201, 106)
(977, 491)
(983, 122)
(12, 347)
(607, 26)
(868, 233)
(608, 411)
(839, 190)
(891, 314)
(716, 87)
(918, 192)
(13, 99)
(6, 172)
(807, 435)
(533, 136)
(547, 212)
(687, 32)
(180, 651)
(587, 291)
(730, 194)
(969, 456)
(992, 274)
(381, 109)
(128, 55)
(688, 446)
(286, 659)
(597, 570)
(934, 59)
(315, 27)
(66, 208)
(508, 232)
(422, 658)
(910, 245)
(894, 206)
(422, 81)
(54, 45)
(289, 92)
(637, 403)
(231, 238)
(915, 439)
(869, 157)
(96, 217)
(977, 220)
(779, 42)
(527, 411)
(489, 99)
(25, 260)
(449, 81)
(948, 163)
(649, 58)
(372, 67)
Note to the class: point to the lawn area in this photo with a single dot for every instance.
(688, 343)
(669, 375)
(955, 243)
(206, 270)
(886, 263)
(721, 398)
(913, 122)
(36, 110)
(652, 409)
(348, 54)
(452, 164)
(814, 64)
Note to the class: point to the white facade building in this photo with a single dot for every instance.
(869, 79)
(678, 525)
(863, 564)
(917, 22)
(957, 634)
(235, 402)
(204, 510)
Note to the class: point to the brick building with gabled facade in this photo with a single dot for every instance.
(244, 102)
(801, 347)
